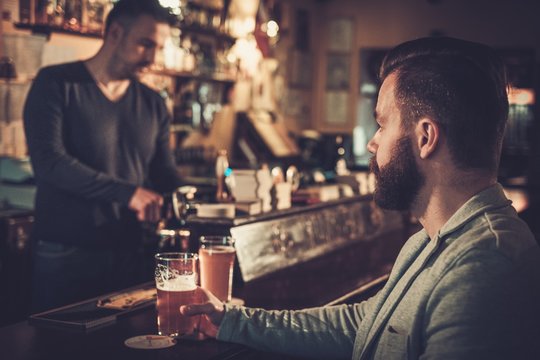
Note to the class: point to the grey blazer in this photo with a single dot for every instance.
(472, 292)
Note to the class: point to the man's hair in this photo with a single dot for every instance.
(459, 84)
(125, 12)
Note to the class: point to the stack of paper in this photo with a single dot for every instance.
(315, 194)
(252, 186)
(245, 185)
(216, 211)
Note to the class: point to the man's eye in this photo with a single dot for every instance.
(147, 44)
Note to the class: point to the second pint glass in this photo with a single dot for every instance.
(176, 283)
(216, 255)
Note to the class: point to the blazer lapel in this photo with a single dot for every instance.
(409, 271)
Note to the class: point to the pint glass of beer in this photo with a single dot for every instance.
(216, 254)
(176, 283)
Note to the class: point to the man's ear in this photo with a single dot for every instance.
(115, 33)
(428, 137)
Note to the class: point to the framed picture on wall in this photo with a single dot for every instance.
(337, 107)
(300, 65)
(337, 71)
(340, 35)
(296, 105)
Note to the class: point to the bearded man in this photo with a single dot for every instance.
(467, 285)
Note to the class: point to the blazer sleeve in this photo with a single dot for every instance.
(324, 332)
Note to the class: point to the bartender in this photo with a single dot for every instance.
(98, 142)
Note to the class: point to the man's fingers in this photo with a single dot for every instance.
(147, 204)
(140, 215)
(156, 213)
(198, 309)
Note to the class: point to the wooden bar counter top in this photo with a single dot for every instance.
(347, 274)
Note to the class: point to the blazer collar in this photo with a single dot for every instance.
(489, 199)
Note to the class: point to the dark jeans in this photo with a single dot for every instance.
(65, 274)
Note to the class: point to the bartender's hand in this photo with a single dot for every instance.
(147, 204)
(211, 309)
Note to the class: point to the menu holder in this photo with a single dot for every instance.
(98, 312)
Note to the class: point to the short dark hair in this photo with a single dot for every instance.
(127, 11)
(459, 84)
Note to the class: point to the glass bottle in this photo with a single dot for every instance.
(341, 162)
(188, 110)
(222, 168)
(73, 14)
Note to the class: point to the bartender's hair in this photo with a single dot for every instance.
(459, 84)
(125, 12)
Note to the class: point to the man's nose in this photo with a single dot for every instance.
(372, 146)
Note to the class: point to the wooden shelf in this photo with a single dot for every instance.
(199, 6)
(16, 81)
(174, 128)
(218, 78)
(47, 30)
(207, 31)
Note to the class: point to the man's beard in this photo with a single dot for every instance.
(127, 70)
(399, 182)
(133, 71)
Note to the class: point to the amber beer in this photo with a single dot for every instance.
(216, 255)
(176, 279)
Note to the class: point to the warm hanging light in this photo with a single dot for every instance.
(174, 5)
(518, 96)
(271, 28)
(241, 20)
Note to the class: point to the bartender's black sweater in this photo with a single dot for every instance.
(89, 154)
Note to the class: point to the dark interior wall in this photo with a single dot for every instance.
(495, 22)
(386, 23)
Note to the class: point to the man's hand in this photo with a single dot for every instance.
(211, 309)
(147, 204)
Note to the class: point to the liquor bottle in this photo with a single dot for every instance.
(341, 162)
(222, 168)
(188, 110)
(73, 14)
(27, 11)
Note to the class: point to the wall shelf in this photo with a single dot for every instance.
(185, 75)
(47, 30)
(176, 128)
(207, 31)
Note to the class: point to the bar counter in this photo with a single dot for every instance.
(295, 287)
(347, 273)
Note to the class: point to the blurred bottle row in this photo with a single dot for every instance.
(89, 15)
(191, 52)
(77, 15)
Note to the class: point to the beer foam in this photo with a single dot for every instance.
(179, 283)
(219, 250)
